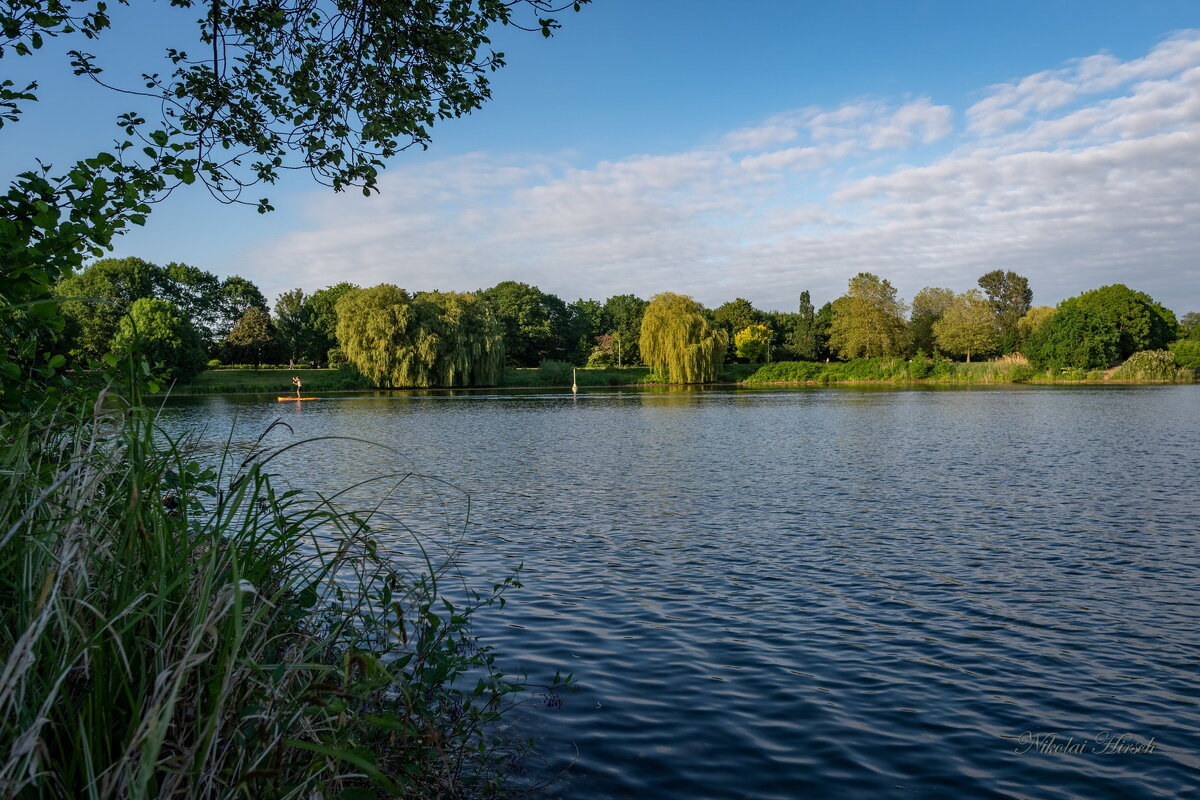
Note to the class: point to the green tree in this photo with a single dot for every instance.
(606, 352)
(733, 316)
(1142, 323)
(238, 295)
(253, 339)
(824, 325)
(105, 291)
(1189, 325)
(868, 321)
(158, 331)
(1100, 327)
(585, 319)
(807, 336)
(753, 343)
(427, 339)
(1033, 319)
(1075, 336)
(928, 306)
(535, 323)
(293, 324)
(968, 325)
(678, 342)
(622, 317)
(322, 306)
(1010, 298)
(334, 89)
(197, 293)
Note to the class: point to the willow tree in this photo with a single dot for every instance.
(426, 339)
(678, 342)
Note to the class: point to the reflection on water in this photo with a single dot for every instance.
(813, 592)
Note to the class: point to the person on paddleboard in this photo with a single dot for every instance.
(296, 381)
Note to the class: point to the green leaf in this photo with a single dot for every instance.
(357, 793)
(355, 757)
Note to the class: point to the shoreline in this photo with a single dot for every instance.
(737, 384)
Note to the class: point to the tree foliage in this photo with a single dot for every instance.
(197, 293)
(253, 339)
(805, 334)
(928, 306)
(1187, 353)
(1141, 322)
(159, 332)
(535, 323)
(753, 343)
(293, 324)
(96, 299)
(426, 339)
(585, 321)
(238, 295)
(678, 342)
(99, 297)
(1033, 319)
(868, 321)
(1189, 325)
(622, 317)
(733, 316)
(967, 326)
(322, 305)
(1011, 298)
(1100, 327)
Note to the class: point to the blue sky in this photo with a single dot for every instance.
(752, 150)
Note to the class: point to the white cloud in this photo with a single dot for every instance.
(1075, 177)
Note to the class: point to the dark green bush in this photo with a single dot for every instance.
(920, 366)
(554, 373)
(1187, 353)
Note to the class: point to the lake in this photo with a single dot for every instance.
(814, 592)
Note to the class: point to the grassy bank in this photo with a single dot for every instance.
(272, 381)
(944, 371)
(177, 630)
(556, 374)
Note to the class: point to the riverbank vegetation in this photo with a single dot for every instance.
(180, 628)
(514, 334)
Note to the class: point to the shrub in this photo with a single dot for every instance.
(1187, 353)
(1148, 365)
(787, 372)
(214, 363)
(920, 366)
(1021, 373)
(943, 368)
(554, 373)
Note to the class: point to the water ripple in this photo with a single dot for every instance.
(823, 592)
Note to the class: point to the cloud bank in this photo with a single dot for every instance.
(1075, 177)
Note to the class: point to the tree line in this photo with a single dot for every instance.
(184, 318)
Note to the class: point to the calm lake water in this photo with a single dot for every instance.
(813, 592)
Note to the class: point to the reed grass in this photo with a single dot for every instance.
(180, 630)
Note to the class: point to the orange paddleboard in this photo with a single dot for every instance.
(285, 399)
